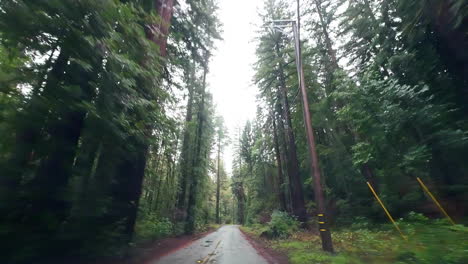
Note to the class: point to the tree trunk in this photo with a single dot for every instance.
(158, 187)
(28, 136)
(49, 187)
(281, 194)
(284, 159)
(293, 168)
(85, 158)
(155, 178)
(185, 153)
(161, 31)
(218, 181)
(125, 189)
(241, 204)
(192, 199)
(331, 52)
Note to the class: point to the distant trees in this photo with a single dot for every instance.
(221, 140)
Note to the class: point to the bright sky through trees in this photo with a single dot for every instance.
(231, 72)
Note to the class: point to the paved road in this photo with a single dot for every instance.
(225, 246)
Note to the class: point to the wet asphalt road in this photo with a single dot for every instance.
(225, 246)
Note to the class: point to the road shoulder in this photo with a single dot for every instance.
(262, 246)
(162, 247)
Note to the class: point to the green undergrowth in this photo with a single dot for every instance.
(429, 241)
(152, 227)
(211, 227)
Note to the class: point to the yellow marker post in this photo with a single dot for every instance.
(386, 211)
(435, 200)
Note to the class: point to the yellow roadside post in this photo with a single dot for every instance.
(435, 200)
(386, 211)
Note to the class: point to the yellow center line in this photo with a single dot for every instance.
(207, 258)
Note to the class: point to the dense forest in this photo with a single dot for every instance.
(388, 99)
(94, 146)
(109, 135)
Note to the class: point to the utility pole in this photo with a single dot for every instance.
(325, 234)
(316, 175)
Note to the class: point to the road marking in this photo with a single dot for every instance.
(207, 258)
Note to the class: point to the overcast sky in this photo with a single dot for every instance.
(231, 71)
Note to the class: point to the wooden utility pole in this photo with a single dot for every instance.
(325, 233)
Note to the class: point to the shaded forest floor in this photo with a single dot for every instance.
(154, 250)
(149, 251)
(428, 242)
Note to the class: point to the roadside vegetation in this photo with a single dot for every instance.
(428, 241)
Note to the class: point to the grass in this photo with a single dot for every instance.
(214, 226)
(428, 242)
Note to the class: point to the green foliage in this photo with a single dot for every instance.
(360, 222)
(386, 107)
(305, 256)
(416, 217)
(91, 118)
(362, 153)
(392, 110)
(153, 227)
(302, 252)
(428, 242)
(281, 225)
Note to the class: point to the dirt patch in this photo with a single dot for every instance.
(261, 245)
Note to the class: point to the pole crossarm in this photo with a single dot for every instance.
(279, 24)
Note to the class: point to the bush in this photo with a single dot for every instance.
(281, 225)
(360, 222)
(416, 217)
(152, 227)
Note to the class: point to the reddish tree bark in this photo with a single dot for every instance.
(161, 31)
